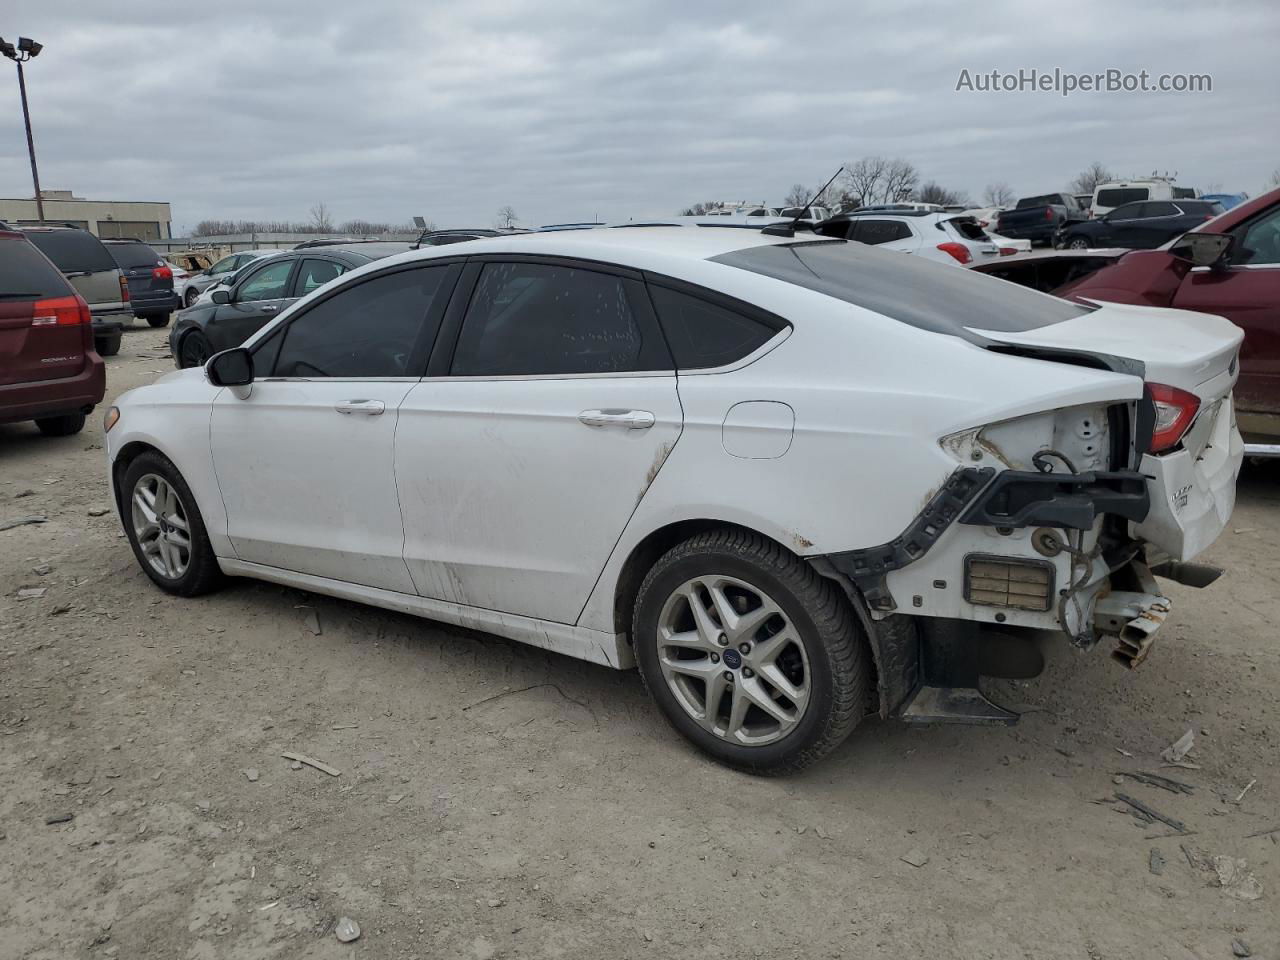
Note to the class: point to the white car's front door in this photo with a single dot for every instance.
(520, 466)
(305, 460)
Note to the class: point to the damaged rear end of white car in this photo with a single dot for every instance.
(1059, 514)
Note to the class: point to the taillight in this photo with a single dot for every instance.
(162, 273)
(1048, 213)
(61, 312)
(124, 289)
(957, 250)
(1008, 251)
(1175, 409)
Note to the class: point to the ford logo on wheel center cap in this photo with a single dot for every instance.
(732, 658)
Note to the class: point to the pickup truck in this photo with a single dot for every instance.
(1039, 218)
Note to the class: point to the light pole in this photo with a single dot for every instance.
(27, 48)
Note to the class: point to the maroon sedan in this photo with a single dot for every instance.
(49, 371)
(1229, 267)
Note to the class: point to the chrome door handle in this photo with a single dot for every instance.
(268, 308)
(627, 419)
(370, 408)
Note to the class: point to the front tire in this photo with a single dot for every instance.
(107, 346)
(749, 653)
(1075, 243)
(194, 350)
(165, 527)
(191, 296)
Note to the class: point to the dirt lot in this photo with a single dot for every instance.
(499, 801)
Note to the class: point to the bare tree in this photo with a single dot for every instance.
(1275, 178)
(932, 192)
(701, 209)
(1215, 186)
(1090, 177)
(998, 194)
(321, 221)
(879, 179)
(798, 195)
(507, 217)
(900, 180)
(864, 179)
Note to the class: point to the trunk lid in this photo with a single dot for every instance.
(1195, 352)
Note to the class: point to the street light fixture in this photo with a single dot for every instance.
(27, 48)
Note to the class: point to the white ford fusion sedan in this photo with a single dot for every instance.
(795, 481)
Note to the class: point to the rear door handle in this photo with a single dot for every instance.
(268, 308)
(370, 408)
(627, 419)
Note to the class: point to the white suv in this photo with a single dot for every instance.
(789, 477)
(928, 234)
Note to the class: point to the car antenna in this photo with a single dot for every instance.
(789, 229)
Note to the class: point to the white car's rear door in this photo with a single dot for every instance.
(521, 462)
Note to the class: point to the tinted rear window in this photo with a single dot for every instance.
(1119, 196)
(132, 254)
(1044, 201)
(24, 271)
(916, 292)
(73, 251)
(1183, 193)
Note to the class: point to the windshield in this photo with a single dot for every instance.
(922, 294)
(73, 251)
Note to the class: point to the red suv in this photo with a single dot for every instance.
(49, 371)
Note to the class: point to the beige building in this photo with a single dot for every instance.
(106, 218)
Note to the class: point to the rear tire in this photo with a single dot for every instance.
(165, 528)
(788, 638)
(107, 346)
(1075, 243)
(158, 319)
(63, 426)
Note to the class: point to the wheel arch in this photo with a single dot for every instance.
(892, 640)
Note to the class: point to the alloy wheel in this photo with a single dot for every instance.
(734, 660)
(161, 527)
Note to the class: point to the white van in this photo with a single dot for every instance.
(1116, 193)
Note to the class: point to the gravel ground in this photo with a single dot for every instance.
(498, 801)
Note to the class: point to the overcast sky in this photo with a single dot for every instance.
(572, 110)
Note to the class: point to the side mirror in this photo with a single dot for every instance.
(230, 368)
(221, 296)
(1212, 250)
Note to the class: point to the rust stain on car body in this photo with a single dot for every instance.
(801, 542)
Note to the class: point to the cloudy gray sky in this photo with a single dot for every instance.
(570, 110)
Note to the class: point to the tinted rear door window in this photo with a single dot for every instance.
(372, 329)
(73, 251)
(703, 334)
(26, 275)
(880, 231)
(530, 319)
(316, 273)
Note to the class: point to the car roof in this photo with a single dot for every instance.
(654, 248)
